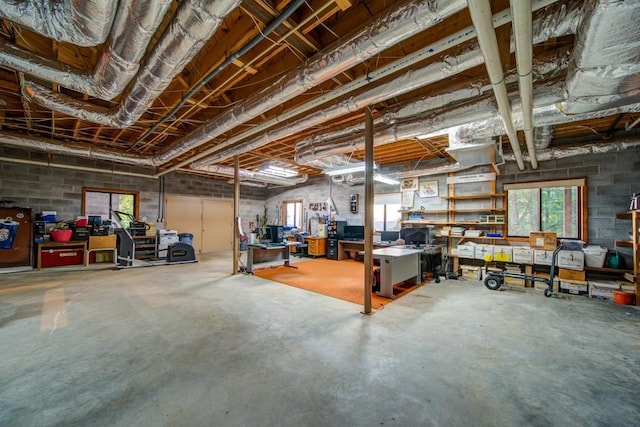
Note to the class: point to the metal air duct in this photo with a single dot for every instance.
(194, 24)
(81, 22)
(605, 72)
(436, 71)
(228, 171)
(381, 33)
(563, 151)
(134, 25)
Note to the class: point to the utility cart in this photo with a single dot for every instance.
(495, 279)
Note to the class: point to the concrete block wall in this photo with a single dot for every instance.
(60, 189)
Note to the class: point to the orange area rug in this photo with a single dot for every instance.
(338, 279)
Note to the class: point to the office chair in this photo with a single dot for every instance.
(301, 249)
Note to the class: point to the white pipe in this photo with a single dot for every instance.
(522, 28)
(78, 168)
(480, 11)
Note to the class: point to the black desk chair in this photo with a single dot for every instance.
(301, 249)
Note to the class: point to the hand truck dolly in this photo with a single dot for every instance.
(494, 279)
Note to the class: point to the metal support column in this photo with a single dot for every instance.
(368, 210)
(236, 214)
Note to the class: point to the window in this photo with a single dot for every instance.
(386, 212)
(553, 206)
(292, 214)
(101, 201)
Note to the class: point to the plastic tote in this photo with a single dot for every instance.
(186, 238)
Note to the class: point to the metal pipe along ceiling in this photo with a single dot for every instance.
(273, 25)
(433, 72)
(194, 24)
(381, 33)
(480, 11)
(81, 22)
(134, 25)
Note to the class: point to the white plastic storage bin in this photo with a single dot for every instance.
(484, 252)
(466, 251)
(523, 255)
(503, 253)
(594, 256)
(542, 257)
(572, 260)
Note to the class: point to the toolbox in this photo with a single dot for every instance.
(60, 257)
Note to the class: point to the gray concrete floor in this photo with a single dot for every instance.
(188, 345)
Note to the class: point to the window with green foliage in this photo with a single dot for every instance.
(553, 206)
(101, 202)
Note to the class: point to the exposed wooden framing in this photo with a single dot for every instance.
(343, 4)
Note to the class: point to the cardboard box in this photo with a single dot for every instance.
(470, 272)
(602, 289)
(575, 287)
(466, 251)
(542, 257)
(573, 260)
(542, 240)
(541, 286)
(514, 282)
(522, 255)
(569, 274)
(484, 252)
(502, 253)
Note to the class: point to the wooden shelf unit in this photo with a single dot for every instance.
(634, 244)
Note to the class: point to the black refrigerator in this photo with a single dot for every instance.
(16, 237)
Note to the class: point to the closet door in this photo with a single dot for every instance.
(184, 214)
(217, 225)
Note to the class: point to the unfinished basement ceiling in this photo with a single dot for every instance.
(188, 85)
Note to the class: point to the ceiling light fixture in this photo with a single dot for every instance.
(351, 168)
(440, 132)
(385, 179)
(279, 171)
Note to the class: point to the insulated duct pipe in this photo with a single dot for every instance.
(134, 25)
(481, 116)
(81, 22)
(605, 71)
(563, 151)
(433, 72)
(521, 11)
(286, 13)
(381, 33)
(253, 176)
(194, 24)
(480, 11)
(562, 19)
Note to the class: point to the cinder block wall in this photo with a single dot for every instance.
(51, 188)
(611, 180)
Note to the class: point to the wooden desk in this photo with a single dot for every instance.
(264, 253)
(348, 249)
(397, 265)
(57, 245)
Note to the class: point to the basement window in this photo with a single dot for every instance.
(292, 214)
(101, 201)
(386, 212)
(557, 206)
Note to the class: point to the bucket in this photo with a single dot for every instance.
(8, 231)
(186, 238)
(243, 245)
(61, 235)
(623, 297)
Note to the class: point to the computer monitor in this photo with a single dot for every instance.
(353, 232)
(389, 236)
(275, 233)
(418, 236)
